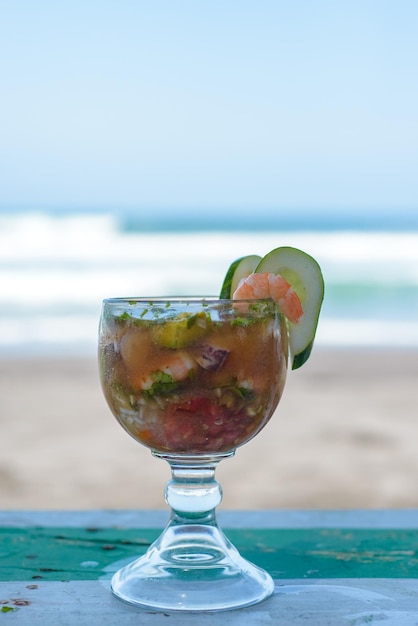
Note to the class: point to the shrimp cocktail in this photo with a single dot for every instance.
(193, 379)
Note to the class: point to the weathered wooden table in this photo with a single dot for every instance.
(349, 568)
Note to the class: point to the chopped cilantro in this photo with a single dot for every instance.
(243, 321)
(125, 316)
(162, 385)
(244, 392)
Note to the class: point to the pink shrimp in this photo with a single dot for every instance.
(269, 285)
(179, 366)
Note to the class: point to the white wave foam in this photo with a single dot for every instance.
(98, 238)
(49, 334)
(55, 271)
(368, 333)
(78, 334)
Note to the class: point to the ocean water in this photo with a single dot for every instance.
(55, 269)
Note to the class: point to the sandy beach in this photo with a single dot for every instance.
(344, 436)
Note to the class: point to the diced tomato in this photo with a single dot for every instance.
(201, 424)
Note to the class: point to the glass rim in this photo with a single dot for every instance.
(179, 299)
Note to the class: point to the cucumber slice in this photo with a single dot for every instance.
(305, 276)
(241, 268)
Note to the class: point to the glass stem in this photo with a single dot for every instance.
(192, 565)
(193, 493)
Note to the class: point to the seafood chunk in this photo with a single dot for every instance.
(211, 358)
(269, 285)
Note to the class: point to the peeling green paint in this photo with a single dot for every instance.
(51, 554)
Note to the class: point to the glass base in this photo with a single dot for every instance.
(192, 567)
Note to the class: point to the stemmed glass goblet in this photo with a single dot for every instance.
(192, 379)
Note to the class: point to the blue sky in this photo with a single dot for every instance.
(232, 103)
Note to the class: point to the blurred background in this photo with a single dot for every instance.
(145, 146)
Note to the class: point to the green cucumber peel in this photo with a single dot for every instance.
(239, 269)
(304, 274)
